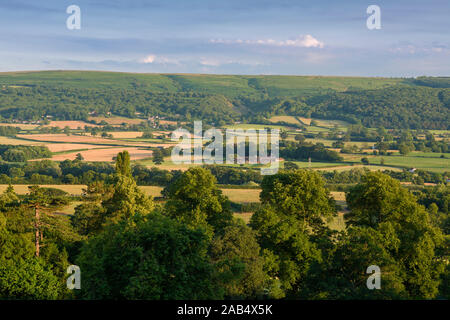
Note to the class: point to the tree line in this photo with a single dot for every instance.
(81, 172)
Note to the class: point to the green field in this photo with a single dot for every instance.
(228, 85)
(89, 79)
(430, 163)
(246, 126)
(314, 164)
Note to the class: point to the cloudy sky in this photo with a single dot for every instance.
(321, 37)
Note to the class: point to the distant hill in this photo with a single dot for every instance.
(72, 95)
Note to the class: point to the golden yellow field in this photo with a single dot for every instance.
(168, 122)
(70, 124)
(126, 134)
(242, 195)
(337, 195)
(116, 120)
(305, 120)
(23, 189)
(23, 126)
(235, 195)
(15, 142)
(287, 119)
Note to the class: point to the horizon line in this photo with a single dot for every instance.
(216, 74)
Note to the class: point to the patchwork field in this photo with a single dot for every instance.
(81, 139)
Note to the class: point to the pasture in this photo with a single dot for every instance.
(434, 164)
(106, 154)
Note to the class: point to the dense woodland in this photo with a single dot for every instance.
(191, 247)
(421, 103)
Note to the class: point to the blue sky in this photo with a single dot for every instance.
(322, 37)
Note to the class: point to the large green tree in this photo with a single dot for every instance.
(236, 254)
(295, 204)
(148, 258)
(22, 275)
(299, 194)
(343, 274)
(121, 199)
(381, 203)
(195, 200)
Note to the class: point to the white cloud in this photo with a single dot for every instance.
(306, 41)
(153, 59)
(148, 59)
